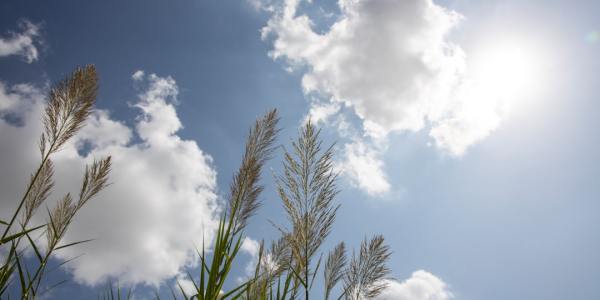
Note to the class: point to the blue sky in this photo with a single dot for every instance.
(491, 204)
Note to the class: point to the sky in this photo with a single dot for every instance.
(465, 132)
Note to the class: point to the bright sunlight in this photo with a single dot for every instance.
(509, 69)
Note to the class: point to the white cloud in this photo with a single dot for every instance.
(393, 64)
(250, 247)
(138, 75)
(422, 285)
(265, 5)
(162, 201)
(469, 121)
(363, 165)
(186, 284)
(17, 98)
(321, 112)
(21, 43)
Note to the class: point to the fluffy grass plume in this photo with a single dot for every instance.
(307, 189)
(366, 274)
(242, 204)
(70, 102)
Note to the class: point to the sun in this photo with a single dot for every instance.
(509, 69)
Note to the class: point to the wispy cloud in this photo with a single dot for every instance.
(162, 200)
(22, 43)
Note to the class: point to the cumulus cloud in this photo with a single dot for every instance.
(422, 285)
(321, 112)
(162, 200)
(184, 282)
(393, 64)
(138, 75)
(251, 248)
(21, 43)
(362, 163)
(18, 98)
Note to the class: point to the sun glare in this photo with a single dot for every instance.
(510, 70)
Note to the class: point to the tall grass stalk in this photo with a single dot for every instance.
(242, 204)
(307, 188)
(70, 102)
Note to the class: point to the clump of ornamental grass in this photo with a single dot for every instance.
(242, 204)
(288, 268)
(70, 102)
(307, 189)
